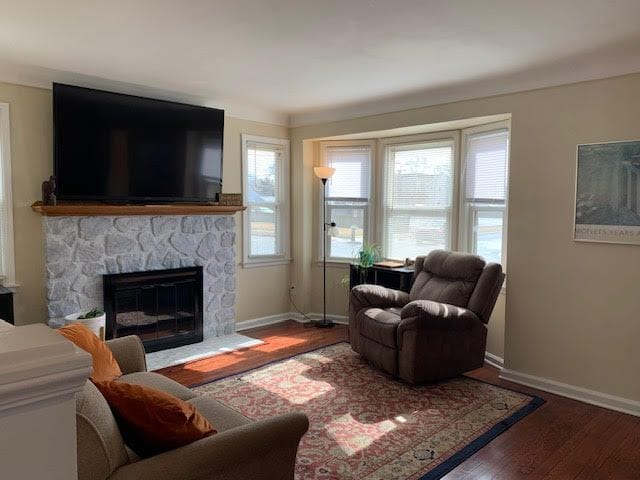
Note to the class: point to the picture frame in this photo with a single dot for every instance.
(607, 192)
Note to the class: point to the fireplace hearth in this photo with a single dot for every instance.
(162, 307)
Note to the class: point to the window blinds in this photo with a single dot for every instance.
(264, 170)
(348, 198)
(351, 178)
(418, 198)
(486, 167)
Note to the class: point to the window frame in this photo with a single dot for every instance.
(386, 144)
(466, 240)
(7, 277)
(283, 232)
(369, 208)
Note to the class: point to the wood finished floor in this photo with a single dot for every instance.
(563, 439)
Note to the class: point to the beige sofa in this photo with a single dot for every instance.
(241, 449)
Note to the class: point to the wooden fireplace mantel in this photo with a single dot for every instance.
(80, 209)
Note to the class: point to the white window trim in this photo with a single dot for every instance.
(371, 207)
(464, 238)
(8, 252)
(385, 144)
(285, 206)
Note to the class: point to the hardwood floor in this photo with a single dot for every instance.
(563, 439)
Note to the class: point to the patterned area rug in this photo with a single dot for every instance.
(365, 425)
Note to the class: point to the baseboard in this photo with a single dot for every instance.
(494, 360)
(612, 402)
(281, 317)
(340, 319)
(262, 321)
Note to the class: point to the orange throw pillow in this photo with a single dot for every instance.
(152, 421)
(105, 367)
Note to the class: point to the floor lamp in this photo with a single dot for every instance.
(324, 173)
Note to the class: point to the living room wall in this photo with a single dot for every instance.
(32, 162)
(571, 308)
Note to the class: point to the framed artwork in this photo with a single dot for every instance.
(607, 207)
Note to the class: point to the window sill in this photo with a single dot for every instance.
(334, 263)
(265, 263)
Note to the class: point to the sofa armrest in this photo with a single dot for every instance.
(363, 296)
(265, 449)
(129, 353)
(428, 315)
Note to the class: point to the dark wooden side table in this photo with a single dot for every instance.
(396, 278)
(6, 305)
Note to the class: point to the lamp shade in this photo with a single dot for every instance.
(324, 172)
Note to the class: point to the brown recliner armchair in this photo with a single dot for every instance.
(438, 329)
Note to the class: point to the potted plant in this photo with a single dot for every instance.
(94, 319)
(366, 257)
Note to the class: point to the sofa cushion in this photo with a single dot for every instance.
(159, 382)
(218, 414)
(446, 277)
(153, 421)
(105, 367)
(101, 448)
(380, 325)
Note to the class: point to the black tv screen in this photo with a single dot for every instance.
(121, 148)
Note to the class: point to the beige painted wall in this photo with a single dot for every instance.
(32, 162)
(571, 308)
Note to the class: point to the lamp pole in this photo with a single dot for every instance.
(324, 173)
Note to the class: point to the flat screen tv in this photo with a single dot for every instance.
(125, 149)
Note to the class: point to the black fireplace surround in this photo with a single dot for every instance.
(162, 307)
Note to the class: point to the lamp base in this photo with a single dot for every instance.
(324, 323)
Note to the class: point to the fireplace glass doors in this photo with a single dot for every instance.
(164, 308)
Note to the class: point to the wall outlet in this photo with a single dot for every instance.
(293, 290)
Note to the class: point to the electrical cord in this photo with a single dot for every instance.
(304, 315)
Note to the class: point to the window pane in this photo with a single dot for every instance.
(262, 174)
(486, 166)
(351, 178)
(264, 237)
(350, 226)
(410, 235)
(487, 229)
(418, 198)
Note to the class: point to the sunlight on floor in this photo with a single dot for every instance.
(352, 436)
(298, 389)
(278, 342)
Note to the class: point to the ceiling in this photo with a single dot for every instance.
(307, 61)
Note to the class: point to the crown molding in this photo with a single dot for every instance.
(590, 66)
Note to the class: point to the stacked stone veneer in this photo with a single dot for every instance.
(80, 250)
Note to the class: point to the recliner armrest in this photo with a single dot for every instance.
(431, 315)
(129, 353)
(363, 296)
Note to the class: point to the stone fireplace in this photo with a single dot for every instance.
(80, 250)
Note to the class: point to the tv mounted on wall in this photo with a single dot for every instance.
(125, 149)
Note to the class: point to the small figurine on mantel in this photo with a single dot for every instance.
(49, 191)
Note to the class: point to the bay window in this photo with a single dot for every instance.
(444, 190)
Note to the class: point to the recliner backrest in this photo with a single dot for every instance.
(446, 277)
(459, 279)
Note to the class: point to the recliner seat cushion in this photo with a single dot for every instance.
(380, 325)
(447, 277)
